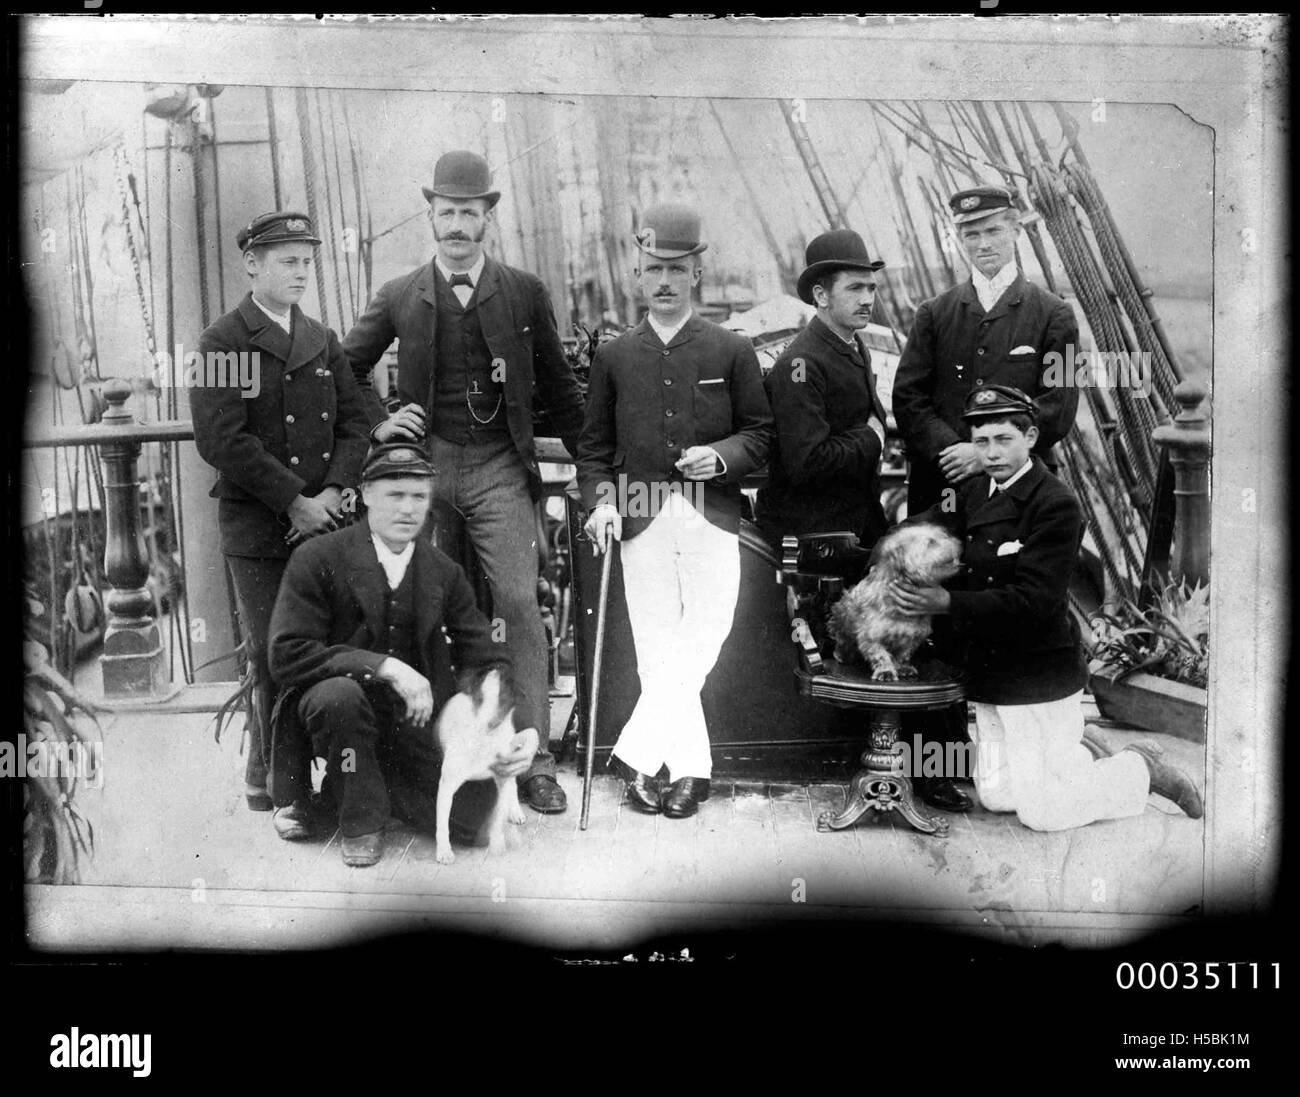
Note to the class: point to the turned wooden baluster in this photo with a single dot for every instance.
(1187, 440)
(133, 661)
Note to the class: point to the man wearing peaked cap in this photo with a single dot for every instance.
(676, 414)
(359, 652)
(278, 414)
(830, 423)
(997, 328)
(477, 342)
(1020, 528)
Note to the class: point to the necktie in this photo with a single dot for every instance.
(461, 280)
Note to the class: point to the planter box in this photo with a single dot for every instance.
(1145, 701)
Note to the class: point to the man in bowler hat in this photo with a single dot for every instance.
(284, 451)
(477, 339)
(1020, 528)
(830, 423)
(359, 649)
(676, 414)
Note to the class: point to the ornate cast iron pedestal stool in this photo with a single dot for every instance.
(815, 570)
(882, 783)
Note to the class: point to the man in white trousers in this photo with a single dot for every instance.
(676, 418)
(1020, 529)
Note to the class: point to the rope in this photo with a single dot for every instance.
(1085, 191)
(200, 229)
(329, 211)
(343, 220)
(309, 176)
(216, 206)
(1102, 313)
(274, 142)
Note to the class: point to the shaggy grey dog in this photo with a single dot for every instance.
(865, 622)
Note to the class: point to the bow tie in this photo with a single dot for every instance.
(461, 280)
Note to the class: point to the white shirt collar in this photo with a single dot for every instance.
(667, 335)
(393, 563)
(284, 321)
(988, 290)
(995, 487)
(474, 272)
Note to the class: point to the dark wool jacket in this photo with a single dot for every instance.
(1010, 609)
(305, 430)
(955, 347)
(823, 472)
(647, 403)
(518, 326)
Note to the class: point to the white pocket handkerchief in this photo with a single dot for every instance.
(1009, 548)
(712, 381)
(1023, 349)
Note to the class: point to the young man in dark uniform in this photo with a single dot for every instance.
(830, 423)
(476, 338)
(359, 647)
(285, 448)
(1021, 528)
(995, 329)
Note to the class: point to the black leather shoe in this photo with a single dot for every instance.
(364, 850)
(295, 823)
(257, 798)
(684, 797)
(642, 789)
(940, 792)
(543, 794)
(1169, 781)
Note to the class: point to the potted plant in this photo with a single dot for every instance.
(1149, 665)
(56, 751)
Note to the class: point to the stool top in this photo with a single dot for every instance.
(937, 686)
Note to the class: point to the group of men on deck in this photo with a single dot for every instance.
(356, 633)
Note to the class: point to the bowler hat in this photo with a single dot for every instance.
(281, 227)
(979, 202)
(395, 459)
(462, 174)
(670, 231)
(841, 249)
(989, 400)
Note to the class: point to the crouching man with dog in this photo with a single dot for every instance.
(359, 653)
(1021, 529)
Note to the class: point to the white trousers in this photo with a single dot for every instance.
(681, 575)
(1030, 759)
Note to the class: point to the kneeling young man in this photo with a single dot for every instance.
(1021, 529)
(358, 649)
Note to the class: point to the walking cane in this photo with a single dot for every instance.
(595, 673)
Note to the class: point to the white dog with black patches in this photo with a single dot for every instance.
(866, 621)
(475, 730)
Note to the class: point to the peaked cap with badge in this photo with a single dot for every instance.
(979, 202)
(281, 227)
(991, 400)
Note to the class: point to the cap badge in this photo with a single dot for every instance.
(986, 396)
(970, 202)
(295, 224)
